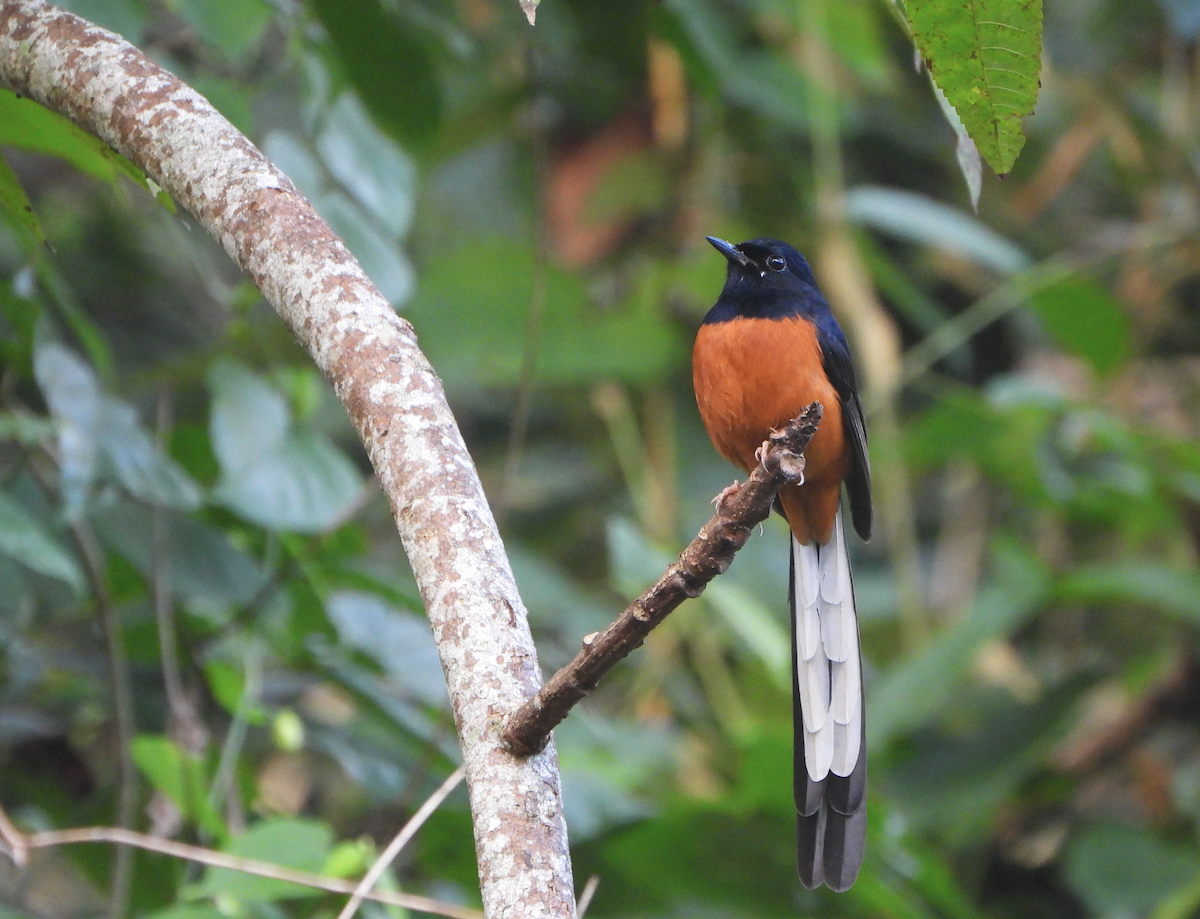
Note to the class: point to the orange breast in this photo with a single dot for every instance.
(752, 375)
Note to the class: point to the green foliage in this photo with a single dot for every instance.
(301, 844)
(986, 56)
(392, 72)
(272, 473)
(1085, 319)
(15, 205)
(24, 539)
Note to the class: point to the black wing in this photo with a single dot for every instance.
(838, 367)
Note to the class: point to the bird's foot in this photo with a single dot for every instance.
(726, 493)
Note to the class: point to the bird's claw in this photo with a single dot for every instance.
(726, 492)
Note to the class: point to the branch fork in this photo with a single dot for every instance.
(738, 511)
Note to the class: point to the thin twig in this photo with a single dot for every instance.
(93, 559)
(20, 843)
(709, 554)
(164, 613)
(585, 898)
(15, 846)
(235, 737)
(407, 832)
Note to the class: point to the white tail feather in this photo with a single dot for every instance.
(828, 664)
(819, 749)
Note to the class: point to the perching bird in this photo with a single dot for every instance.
(767, 348)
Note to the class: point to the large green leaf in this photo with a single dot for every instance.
(278, 476)
(23, 538)
(391, 71)
(204, 569)
(26, 125)
(103, 436)
(15, 203)
(986, 56)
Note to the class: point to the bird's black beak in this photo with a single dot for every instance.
(729, 250)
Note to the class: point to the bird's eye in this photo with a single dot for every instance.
(776, 263)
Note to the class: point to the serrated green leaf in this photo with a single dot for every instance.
(986, 56)
(22, 538)
(15, 203)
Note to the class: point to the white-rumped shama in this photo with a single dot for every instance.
(767, 348)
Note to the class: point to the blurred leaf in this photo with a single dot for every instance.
(919, 219)
(376, 171)
(27, 126)
(766, 83)
(487, 287)
(986, 55)
(399, 641)
(275, 476)
(1184, 17)
(957, 779)
(607, 768)
(233, 27)
(349, 859)
(1123, 871)
(392, 73)
(636, 563)
(381, 257)
(1085, 319)
(22, 538)
(1139, 583)
(95, 427)
(125, 17)
(203, 567)
(188, 911)
(139, 463)
(855, 33)
(73, 396)
(301, 844)
(15, 203)
(754, 624)
(180, 777)
(227, 684)
(913, 691)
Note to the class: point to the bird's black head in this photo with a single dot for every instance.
(765, 278)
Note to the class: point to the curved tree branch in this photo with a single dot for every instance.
(395, 400)
(709, 554)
